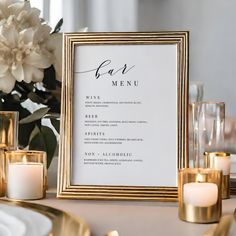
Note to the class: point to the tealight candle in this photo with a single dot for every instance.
(199, 195)
(26, 175)
(220, 161)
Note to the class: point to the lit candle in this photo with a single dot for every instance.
(25, 180)
(233, 164)
(222, 163)
(200, 194)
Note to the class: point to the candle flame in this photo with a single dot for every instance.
(199, 178)
(24, 160)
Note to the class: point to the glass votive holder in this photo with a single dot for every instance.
(2, 174)
(208, 126)
(9, 129)
(220, 161)
(26, 174)
(200, 195)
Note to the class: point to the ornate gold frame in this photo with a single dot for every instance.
(71, 40)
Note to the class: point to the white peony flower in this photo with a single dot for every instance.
(24, 15)
(54, 45)
(23, 44)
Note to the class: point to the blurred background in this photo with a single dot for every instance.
(212, 36)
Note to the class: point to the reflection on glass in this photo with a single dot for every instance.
(208, 129)
(196, 91)
(8, 129)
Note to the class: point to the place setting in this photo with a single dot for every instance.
(116, 129)
(23, 180)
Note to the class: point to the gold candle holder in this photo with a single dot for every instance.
(26, 174)
(2, 174)
(9, 130)
(220, 161)
(200, 195)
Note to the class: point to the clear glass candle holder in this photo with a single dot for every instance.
(208, 129)
(200, 195)
(2, 174)
(196, 91)
(9, 130)
(26, 174)
(220, 161)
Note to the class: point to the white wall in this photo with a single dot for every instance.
(212, 40)
(211, 24)
(100, 15)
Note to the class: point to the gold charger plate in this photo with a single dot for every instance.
(63, 222)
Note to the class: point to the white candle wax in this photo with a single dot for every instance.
(25, 180)
(222, 163)
(233, 164)
(200, 194)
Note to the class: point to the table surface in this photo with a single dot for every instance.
(139, 218)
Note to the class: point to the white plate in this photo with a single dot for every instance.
(29, 219)
(19, 221)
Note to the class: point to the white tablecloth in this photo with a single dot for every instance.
(133, 218)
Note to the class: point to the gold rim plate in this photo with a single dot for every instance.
(63, 222)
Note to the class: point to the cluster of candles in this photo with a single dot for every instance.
(201, 190)
(23, 172)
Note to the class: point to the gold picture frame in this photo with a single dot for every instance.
(67, 186)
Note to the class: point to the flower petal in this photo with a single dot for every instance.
(15, 8)
(17, 72)
(4, 8)
(32, 74)
(38, 60)
(9, 35)
(85, 29)
(3, 69)
(33, 16)
(38, 75)
(28, 73)
(7, 83)
(42, 33)
(54, 41)
(54, 45)
(27, 35)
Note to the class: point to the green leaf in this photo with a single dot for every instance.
(24, 134)
(58, 26)
(54, 105)
(49, 80)
(16, 97)
(50, 143)
(24, 88)
(57, 93)
(44, 140)
(37, 115)
(1, 105)
(52, 116)
(37, 143)
(35, 98)
(56, 124)
(34, 132)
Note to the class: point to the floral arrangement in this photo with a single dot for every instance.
(30, 73)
